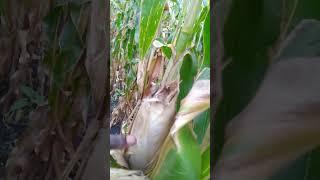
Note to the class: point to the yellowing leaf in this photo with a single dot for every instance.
(197, 101)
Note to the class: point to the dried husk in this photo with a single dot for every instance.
(152, 125)
(123, 174)
(193, 104)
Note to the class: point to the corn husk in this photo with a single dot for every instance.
(195, 103)
(152, 125)
(180, 144)
(123, 174)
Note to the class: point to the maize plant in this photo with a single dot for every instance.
(53, 62)
(267, 123)
(171, 116)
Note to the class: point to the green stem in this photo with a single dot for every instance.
(183, 39)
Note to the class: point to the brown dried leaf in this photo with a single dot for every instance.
(22, 39)
(15, 81)
(155, 72)
(91, 133)
(5, 52)
(97, 164)
(83, 20)
(206, 139)
(32, 142)
(142, 67)
(123, 174)
(15, 166)
(97, 52)
(117, 155)
(197, 101)
(39, 118)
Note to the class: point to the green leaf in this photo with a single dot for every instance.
(192, 14)
(305, 167)
(302, 41)
(183, 42)
(32, 95)
(119, 20)
(286, 99)
(131, 42)
(51, 22)
(250, 28)
(184, 162)
(204, 14)
(70, 44)
(167, 51)
(204, 74)
(206, 42)
(151, 12)
(205, 164)
(201, 123)
(188, 72)
(271, 131)
(190, 23)
(65, 2)
(75, 13)
(158, 43)
(170, 38)
(1, 8)
(19, 104)
(113, 163)
(301, 9)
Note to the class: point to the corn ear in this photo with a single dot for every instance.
(152, 125)
(180, 156)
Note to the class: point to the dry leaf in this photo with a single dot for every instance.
(141, 75)
(97, 164)
(123, 174)
(97, 52)
(117, 155)
(197, 100)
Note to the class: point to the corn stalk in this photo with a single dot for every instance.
(64, 44)
(159, 83)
